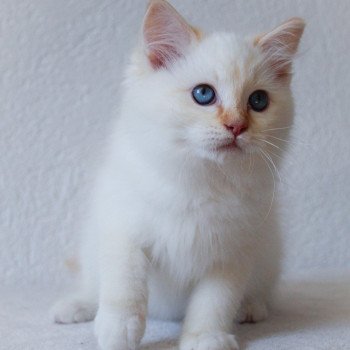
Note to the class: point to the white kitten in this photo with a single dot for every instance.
(182, 220)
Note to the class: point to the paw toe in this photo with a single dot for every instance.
(73, 311)
(119, 332)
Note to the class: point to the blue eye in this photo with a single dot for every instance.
(203, 94)
(258, 100)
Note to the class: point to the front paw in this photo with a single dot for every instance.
(208, 341)
(74, 310)
(119, 330)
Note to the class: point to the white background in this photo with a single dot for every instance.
(61, 65)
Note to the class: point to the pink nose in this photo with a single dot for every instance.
(236, 128)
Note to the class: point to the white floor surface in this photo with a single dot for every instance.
(311, 313)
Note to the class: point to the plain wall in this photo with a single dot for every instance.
(61, 64)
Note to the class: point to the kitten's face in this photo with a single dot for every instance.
(223, 94)
(225, 99)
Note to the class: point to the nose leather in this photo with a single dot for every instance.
(236, 128)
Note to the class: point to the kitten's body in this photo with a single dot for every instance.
(179, 226)
(190, 217)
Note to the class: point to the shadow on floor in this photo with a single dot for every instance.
(300, 307)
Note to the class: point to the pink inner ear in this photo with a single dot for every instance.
(281, 44)
(159, 60)
(166, 34)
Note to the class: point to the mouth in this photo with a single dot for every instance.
(227, 147)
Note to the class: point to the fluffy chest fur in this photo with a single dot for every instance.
(188, 216)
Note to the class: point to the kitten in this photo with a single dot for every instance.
(182, 223)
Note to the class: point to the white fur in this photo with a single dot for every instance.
(178, 228)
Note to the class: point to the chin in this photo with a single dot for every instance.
(247, 147)
(221, 154)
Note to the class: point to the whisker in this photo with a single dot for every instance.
(277, 155)
(291, 142)
(272, 144)
(287, 127)
(274, 188)
(269, 153)
(273, 164)
(290, 162)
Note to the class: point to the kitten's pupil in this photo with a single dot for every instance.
(258, 100)
(203, 94)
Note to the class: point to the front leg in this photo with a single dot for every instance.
(209, 319)
(121, 317)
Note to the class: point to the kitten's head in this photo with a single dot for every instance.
(214, 96)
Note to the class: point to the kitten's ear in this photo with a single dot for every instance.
(281, 44)
(167, 36)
